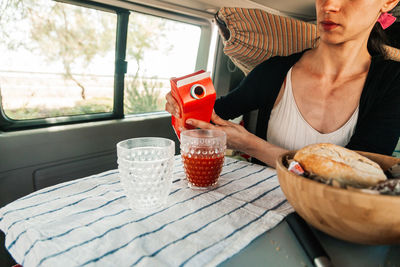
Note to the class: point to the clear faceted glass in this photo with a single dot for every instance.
(203, 154)
(145, 168)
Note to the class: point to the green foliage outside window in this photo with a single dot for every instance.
(73, 36)
(142, 96)
(86, 107)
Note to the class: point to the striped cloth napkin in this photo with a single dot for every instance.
(87, 222)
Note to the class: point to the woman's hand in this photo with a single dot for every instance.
(237, 135)
(172, 106)
(238, 138)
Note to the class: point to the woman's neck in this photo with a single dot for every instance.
(339, 60)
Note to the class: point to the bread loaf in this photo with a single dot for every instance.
(344, 165)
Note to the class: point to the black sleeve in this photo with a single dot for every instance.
(252, 93)
(378, 130)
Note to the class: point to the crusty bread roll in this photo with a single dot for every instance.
(346, 166)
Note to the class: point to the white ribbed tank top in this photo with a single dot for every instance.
(288, 129)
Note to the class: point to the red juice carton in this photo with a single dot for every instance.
(196, 96)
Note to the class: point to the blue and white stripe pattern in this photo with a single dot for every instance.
(87, 222)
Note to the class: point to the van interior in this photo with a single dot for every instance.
(47, 143)
(36, 154)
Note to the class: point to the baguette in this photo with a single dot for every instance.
(346, 166)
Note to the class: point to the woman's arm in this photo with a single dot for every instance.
(378, 126)
(238, 138)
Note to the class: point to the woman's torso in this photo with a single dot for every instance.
(312, 110)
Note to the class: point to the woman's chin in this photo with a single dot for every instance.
(331, 39)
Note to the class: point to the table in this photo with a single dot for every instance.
(269, 243)
(87, 222)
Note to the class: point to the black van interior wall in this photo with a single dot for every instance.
(34, 159)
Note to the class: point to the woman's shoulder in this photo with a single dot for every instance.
(385, 65)
(384, 77)
(290, 59)
(277, 64)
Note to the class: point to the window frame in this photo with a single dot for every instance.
(204, 44)
(120, 67)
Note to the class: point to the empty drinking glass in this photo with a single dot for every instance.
(145, 169)
(203, 154)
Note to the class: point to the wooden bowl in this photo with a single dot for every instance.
(349, 215)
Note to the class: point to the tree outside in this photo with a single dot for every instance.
(74, 39)
(142, 94)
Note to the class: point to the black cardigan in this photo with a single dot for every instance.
(378, 125)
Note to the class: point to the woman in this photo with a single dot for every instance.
(343, 91)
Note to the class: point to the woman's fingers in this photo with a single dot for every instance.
(172, 106)
(206, 125)
(217, 119)
(171, 109)
(200, 124)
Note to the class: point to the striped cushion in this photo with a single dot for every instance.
(256, 35)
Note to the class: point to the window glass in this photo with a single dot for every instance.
(157, 49)
(56, 59)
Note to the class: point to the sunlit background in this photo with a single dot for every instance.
(58, 59)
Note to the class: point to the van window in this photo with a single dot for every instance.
(78, 61)
(157, 49)
(57, 59)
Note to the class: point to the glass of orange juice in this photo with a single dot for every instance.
(203, 153)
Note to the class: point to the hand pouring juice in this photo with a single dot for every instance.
(195, 95)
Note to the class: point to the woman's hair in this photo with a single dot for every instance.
(376, 40)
